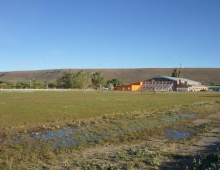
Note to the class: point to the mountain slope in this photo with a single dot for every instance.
(203, 75)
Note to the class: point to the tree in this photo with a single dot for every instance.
(79, 80)
(115, 82)
(37, 84)
(51, 85)
(82, 80)
(22, 85)
(66, 80)
(7, 85)
(97, 79)
(176, 73)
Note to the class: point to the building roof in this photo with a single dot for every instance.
(214, 87)
(176, 79)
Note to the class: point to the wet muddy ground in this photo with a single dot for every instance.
(175, 149)
(73, 136)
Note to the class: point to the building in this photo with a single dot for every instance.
(164, 83)
(132, 87)
(214, 88)
(178, 84)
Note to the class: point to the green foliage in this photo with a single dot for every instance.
(203, 127)
(79, 80)
(209, 161)
(37, 85)
(7, 85)
(97, 79)
(66, 80)
(176, 73)
(52, 85)
(22, 85)
(115, 82)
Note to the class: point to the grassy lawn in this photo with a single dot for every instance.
(131, 118)
(28, 108)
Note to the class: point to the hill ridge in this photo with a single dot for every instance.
(127, 75)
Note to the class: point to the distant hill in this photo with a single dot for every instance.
(203, 75)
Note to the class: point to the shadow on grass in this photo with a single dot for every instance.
(193, 161)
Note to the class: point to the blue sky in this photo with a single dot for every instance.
(57, 34)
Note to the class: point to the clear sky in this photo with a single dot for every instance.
(58, 34)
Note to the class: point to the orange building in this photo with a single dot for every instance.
(132, 87)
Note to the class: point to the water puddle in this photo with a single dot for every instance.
(79, 135)
(177, 117)
(178, 134)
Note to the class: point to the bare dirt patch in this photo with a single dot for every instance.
(200, 121)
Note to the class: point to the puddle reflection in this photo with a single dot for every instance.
(79, 135)
(178, 134)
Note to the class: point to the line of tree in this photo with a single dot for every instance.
(27, 85)
(83, 80)
(68, 80)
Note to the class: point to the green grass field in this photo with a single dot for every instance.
(31, 108)
(139, 117)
